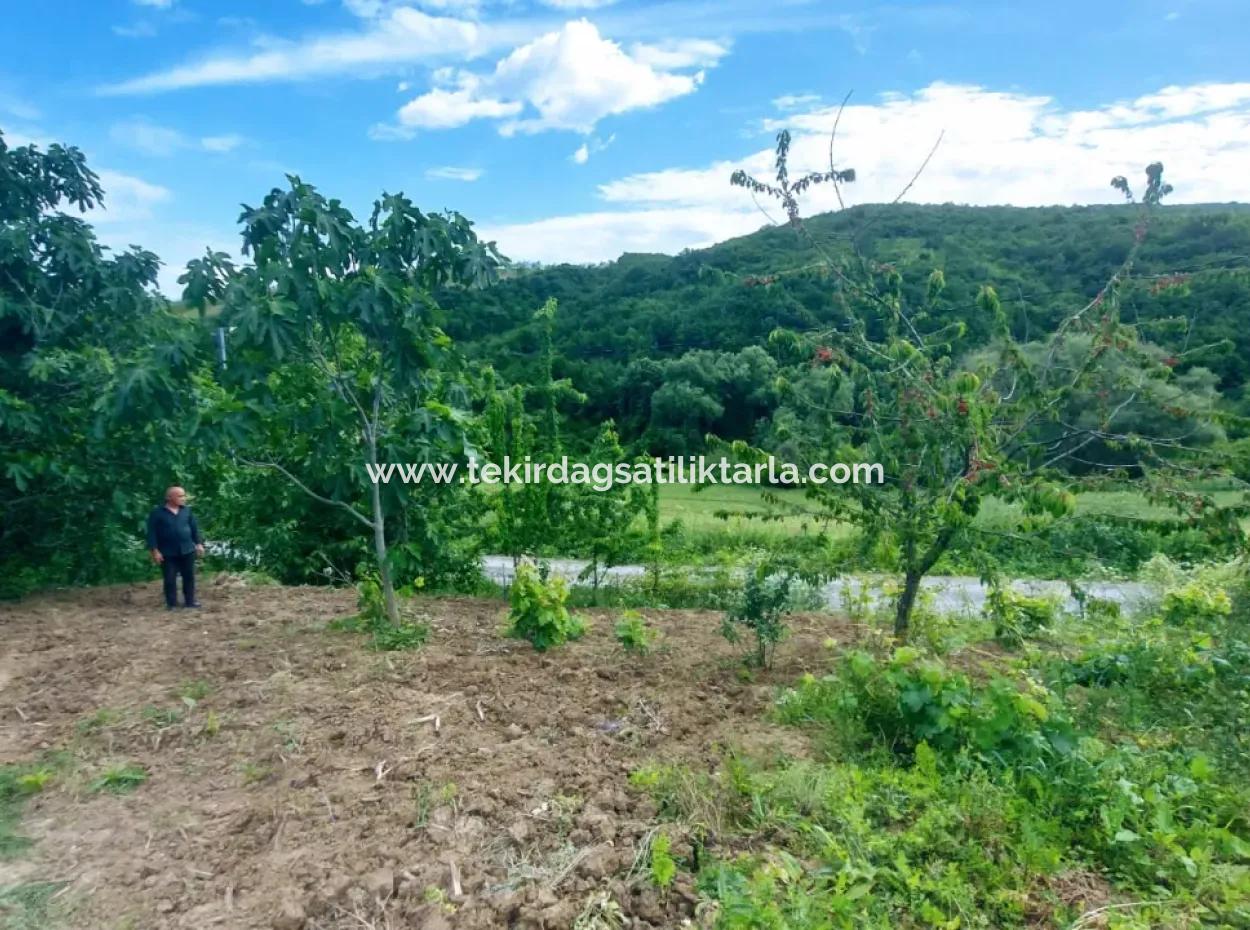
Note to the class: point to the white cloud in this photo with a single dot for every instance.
(675, 54)
(591, 146)
(156, 4)
(226, 143)
(998, 148)
(404, 35)
(138, 30)
(569, 5)
(570, 79)
(453, 173)
(161, 141)
(127, 199)
(789, 102)
(444, 109)
(604, 235)
(148, 138)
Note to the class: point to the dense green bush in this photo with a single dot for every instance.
(1196, 604)
(538, 612)
(1016, 616)
(910, 700)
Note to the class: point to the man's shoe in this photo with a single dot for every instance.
(195, 604)
(171, 606)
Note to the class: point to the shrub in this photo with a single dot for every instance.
(1196, 604)
(633, 633)
(538, 613)
(762, 609)
(908, 700)
(1017, 616)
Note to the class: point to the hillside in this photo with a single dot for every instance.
(620, 320)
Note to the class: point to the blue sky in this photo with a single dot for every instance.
(578, 129)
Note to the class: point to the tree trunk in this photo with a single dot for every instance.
(379, 521)
(906, 601)
(915, 570)
(379, 548)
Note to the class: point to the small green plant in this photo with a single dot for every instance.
(18, 782)
(194, 691)
(255, 773)
(102, 719)
(762, 609)
(399, 637)
(119, 779)
(34, 782)
(426, 796)
(292, 740)
(633, 633)
(371, 618)
(161, 717)
(436, 896)
(663, 867)
(538, 613)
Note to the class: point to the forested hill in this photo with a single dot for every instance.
(627, 328)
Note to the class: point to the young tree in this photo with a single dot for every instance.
(524, 424)
(951, 430)
(603, 517)
(339, 347)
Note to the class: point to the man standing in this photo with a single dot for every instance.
(174, 542)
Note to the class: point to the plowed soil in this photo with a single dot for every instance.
(297, 779)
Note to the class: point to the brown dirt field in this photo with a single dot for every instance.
(307, 786)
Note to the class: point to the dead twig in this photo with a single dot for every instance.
(428, 718)
(568, 868)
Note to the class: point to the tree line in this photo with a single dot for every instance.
(401, 336)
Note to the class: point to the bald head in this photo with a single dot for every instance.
(175, 496)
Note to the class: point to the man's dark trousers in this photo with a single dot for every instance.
(172, 567)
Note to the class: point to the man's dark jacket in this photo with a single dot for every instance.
(174, 534)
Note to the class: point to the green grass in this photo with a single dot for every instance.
(31, 906)
(697, 510)
(17, 783)
(102, 719)
(119, 779)
(194, 690)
